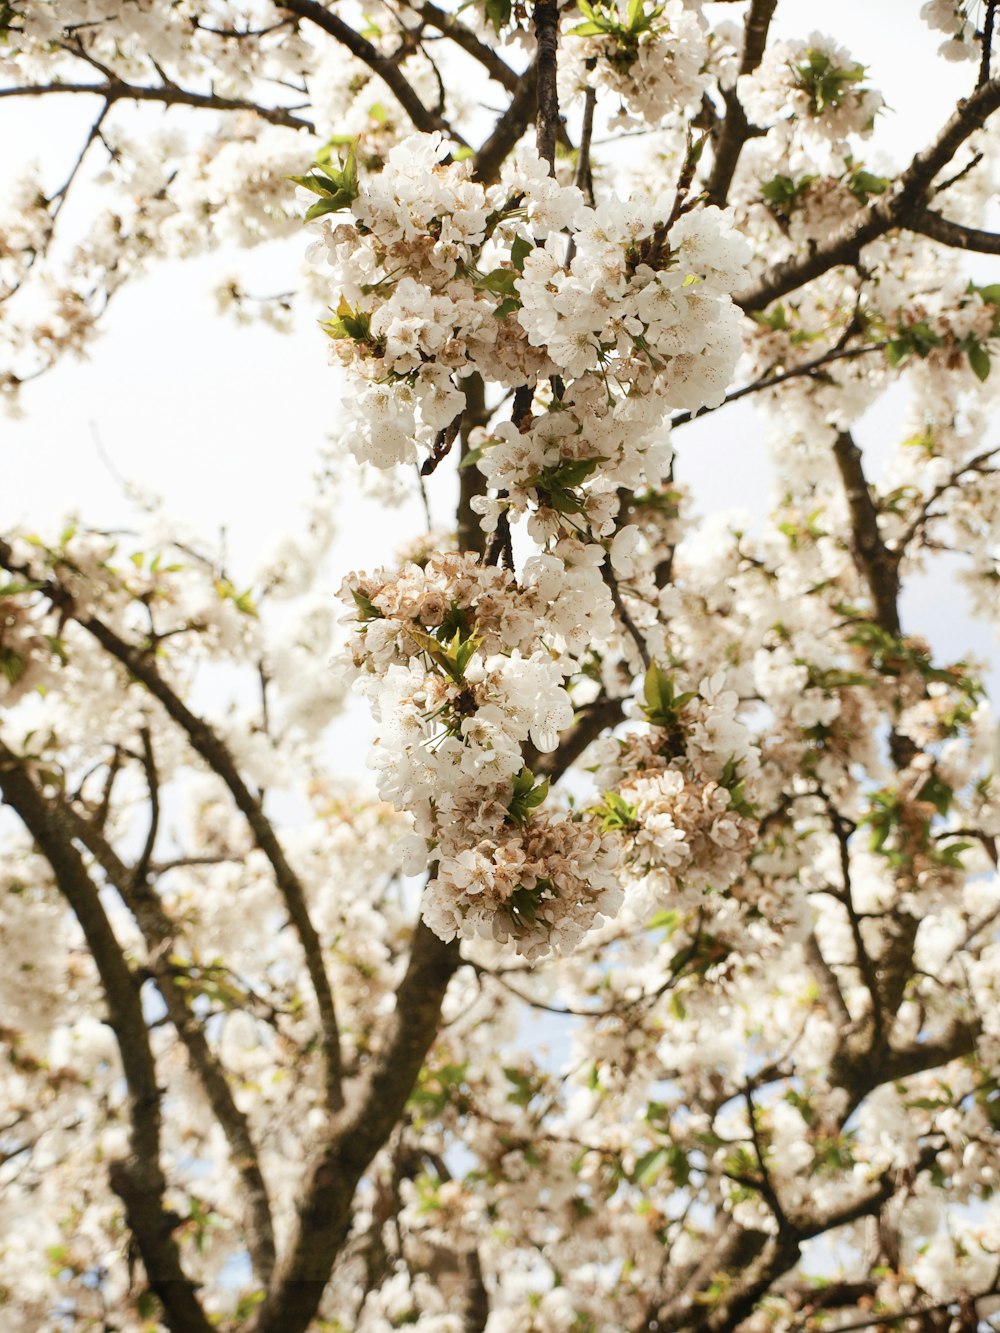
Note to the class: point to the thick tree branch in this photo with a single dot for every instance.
(826, 980)
(547, 38)
(736, 129)
(387, 70)
(878, 564)
(929, 223)
(986, 58)
(137, 1180)
(160, 935)
(216, 755)
(465, 38)
(471, 482)
(590, 721)
(373, 1109)
(495, 149)
(900, 206)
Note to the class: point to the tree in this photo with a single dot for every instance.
(697, 796)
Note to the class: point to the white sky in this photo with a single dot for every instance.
(224, 422)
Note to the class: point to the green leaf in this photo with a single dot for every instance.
(317, 184)
(526, 1086)
(662, 706)
(520, 249)
(498, 12)
(507, 307)
(979, 360)
(472, 457)
(862, 184)
(614, 812)
(938, 793)
(348, 322)
(500, 280)
(951, 856)
(556, 484)
(526, 796)
(666, 921)
(23, 586)
(333, 204)
(650, 1165)
(591, 28)
(452, 657)
(782, 194)
(896, 351)
(367, 608)
(12, 665)
(525, 902)
(336, 186)
(680, 1166)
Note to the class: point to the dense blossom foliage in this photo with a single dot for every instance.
(652, 980)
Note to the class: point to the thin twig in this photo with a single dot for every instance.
(771, 381)
(608, 575)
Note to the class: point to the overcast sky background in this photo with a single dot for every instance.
(225, 422)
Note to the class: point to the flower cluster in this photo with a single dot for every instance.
(679, 791)
(951, 17)
(653, 57)
(439, 277)
(813, 90)
(451, 658)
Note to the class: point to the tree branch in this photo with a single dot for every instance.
(465, 38)
(608, 576)
(988, 22)
(583, 177)
(826, 980)
(929, 223)
(216, 755)
(770, 380)
(375, 1104)
(471, 482)
(547, 38)
(160, 935)
(898, 207)
(137, 1180)
(736, 129)
(508, 129)
(116, 91)
(842, 829)
(386, 69)
(878, 564)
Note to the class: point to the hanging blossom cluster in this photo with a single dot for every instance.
(811, 92)
(951, 17)
(680, 791)
(653, 57)
(623, 307)
(451, 659)
(599, 321)
(638, 323)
